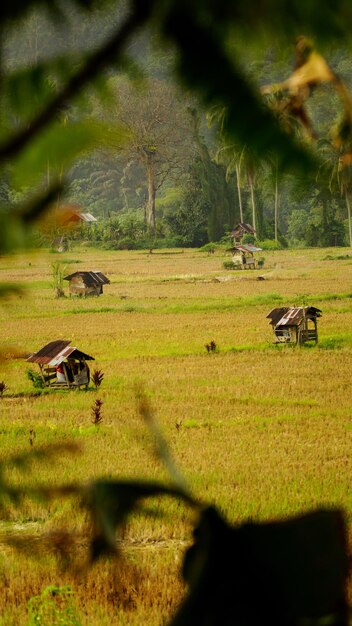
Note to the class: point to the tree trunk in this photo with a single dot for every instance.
(276, 209)
(251, 186)
(238, 174)
(349, 216)
(151, 194)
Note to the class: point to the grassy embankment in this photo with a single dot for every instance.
(257, 430)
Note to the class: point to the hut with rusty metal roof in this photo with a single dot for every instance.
(243, 256)
(86, 283)
(240, 230)
(62, 365)
(295, 324)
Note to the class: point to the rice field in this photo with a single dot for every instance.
(260, 431)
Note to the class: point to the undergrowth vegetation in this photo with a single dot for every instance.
(260, 431)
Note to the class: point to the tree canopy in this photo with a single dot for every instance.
(44, 86)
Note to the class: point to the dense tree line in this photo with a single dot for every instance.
(175, 174)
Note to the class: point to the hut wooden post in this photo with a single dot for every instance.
(42, 375)
(66, 374)
(299, 335)
(302, 329)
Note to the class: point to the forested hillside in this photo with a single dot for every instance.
(176, 179)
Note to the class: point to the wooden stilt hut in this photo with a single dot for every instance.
(62, 365)
(243, 256)
(240, 230)
(294, 324)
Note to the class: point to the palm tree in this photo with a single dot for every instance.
(337, 169)
(344, 172)
(252, 166)
(239, 160)
(231, 157)
(271, 188)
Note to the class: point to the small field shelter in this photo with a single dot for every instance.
(73, 216)
(294, 324)
(240, 230)
(62, 365)
(86, 283)
(243, 256)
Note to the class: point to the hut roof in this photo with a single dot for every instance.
(55, 352)
(90, 278)
(245, 247)
(243, 228)
(72, 213)
(87, 217)
(292, 315)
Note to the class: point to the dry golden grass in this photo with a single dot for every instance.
(260, 432)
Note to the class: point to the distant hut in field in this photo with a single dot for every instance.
(83, 218)
(240, 230)
(67, 217)
(60, 244)
(62, 365)
(86, 283)
(243, 256)
(71, 214)
(294, 324)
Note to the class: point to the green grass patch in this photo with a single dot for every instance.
(190, 306)
(327, 297)
(333, 343)
(191, 423)
(254, 347)
(275, 401)
(340, 257)
(83, 311)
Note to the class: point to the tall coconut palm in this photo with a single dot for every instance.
(271, 188)
(344, 173)
(232, 157)
(336, 169)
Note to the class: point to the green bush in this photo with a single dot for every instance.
(248, 239)
(208, 247)
(52, 607)
(177, 241)
(35, 379)
(340, 257)
(230, 265)
(269, 244)
(126, 243)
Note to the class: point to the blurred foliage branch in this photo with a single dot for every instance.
(92, 65)
(297, 568)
